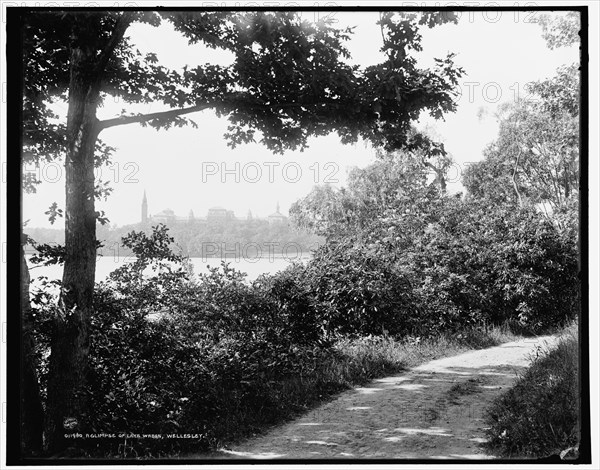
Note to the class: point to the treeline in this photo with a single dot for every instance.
(251, 238)
(248, 239)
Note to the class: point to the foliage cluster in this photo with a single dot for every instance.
(404, 257)
(535, 159)
(480, 262)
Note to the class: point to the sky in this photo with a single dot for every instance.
(193, 169)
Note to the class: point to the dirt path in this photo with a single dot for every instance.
(433, 411)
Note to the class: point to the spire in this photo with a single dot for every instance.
(144, 209)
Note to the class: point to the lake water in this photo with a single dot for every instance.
(106, 264)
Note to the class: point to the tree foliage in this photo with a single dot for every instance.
(289, 78)
(453, 262)
(535, 158)
(560, 30)
(391, 195)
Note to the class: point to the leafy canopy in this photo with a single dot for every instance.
(537, 147)
(382, 206)
(289, 79)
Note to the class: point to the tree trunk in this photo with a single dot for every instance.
(514, 180)
(66, 411)
(32, 414)
(566, 180)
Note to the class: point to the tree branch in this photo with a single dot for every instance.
(439, 175)
(172, 113)
(116, 37)
(192, 109)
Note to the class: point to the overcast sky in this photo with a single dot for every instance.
(181, 169)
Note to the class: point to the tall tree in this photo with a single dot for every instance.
(289, 80)
(383, 205)
(32, 415)
(535, 159)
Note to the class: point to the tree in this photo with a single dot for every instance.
(288, 81)
(386, 202)
(535, 159)
(32, 415)
(561, 30)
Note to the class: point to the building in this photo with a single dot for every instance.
(277, 217)
(168, 216)
(219, 213)
(215, 214)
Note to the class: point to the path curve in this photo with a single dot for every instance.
(435, 410)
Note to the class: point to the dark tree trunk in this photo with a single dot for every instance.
(66, 411)
(442, 181)
(439, 176)
(32, 414)
(567, 184)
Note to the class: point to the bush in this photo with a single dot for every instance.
(294, 301)
(212, 357)
(471, 263)
(538, 417)
(204, 364)
(356, 291)
(154, 377)
(495, 264)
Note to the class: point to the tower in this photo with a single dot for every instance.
(144, 209)
(277, 216)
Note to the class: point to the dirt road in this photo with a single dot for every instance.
(433, 411)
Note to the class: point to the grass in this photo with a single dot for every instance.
(538, 417)
(349, 363)
(378, 355)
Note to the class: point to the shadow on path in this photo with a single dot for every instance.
(436, 410)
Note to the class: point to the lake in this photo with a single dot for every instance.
(106, 264)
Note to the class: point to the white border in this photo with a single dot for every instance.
(594, 196)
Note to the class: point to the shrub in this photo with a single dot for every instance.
(291, 293)
(356, 291)
(483, 263)
(169, 354)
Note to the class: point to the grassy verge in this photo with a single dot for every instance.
(349, 363)
(538, 417)
(375, 356)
